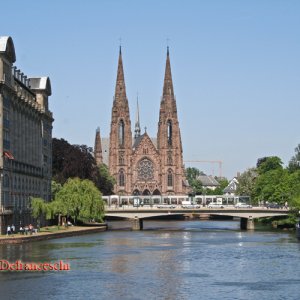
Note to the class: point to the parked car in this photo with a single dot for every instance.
(273, 205)
(242, 205)
(215, 205)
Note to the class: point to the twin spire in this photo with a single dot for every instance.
(120, 91)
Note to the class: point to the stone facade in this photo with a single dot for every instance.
(25, 139)
(139, 166)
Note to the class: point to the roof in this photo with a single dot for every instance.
(137, 141)
(208, 180)
(231, 187)
(40, 83)
(7, 47)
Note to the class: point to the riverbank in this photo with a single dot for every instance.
(46, 235)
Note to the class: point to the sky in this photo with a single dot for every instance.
(235, 67)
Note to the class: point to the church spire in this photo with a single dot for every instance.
(168, 84)
(98, 148)
(137, 130)
(120, 91)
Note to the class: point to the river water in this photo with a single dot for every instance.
(168, 260)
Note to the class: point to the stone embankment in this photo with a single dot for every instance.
(41, 236)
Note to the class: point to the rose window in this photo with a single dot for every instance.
(145, 170)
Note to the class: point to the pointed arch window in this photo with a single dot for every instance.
(121, 133)
(170, 178)
(121, 178)
(169, 132)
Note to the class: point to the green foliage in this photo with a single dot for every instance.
(223, 182)
(38, 207)
(266, 164)
(246, 184)
(55, 188)
(81, 200)
(195, 184)
(273, 186)
(77, 161)
(105, 182)
(294, 164)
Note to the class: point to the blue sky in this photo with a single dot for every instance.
(235, 67)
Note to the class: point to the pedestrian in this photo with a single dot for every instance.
(13, 229)
(30, 229)
(8, 231)
(26, 230)
(21, 230)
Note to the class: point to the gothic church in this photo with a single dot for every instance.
(139, 165)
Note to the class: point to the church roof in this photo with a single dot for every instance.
(137, 141)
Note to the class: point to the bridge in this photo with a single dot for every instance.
(137, 214)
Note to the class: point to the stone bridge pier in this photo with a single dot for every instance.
(247, 223)
(136, 223)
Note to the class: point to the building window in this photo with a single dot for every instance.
(6, 181)
(6, 139)
(121, 178)
(6, 119)
(145, 169)
(121, 133)
(169, 133)
(170, 178)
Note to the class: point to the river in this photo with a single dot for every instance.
(168, 260)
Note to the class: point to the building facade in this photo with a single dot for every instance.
(25, 139)
(140, 165)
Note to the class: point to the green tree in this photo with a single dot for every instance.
(104, 181)
(246, 183)
(55, 188)
(220, 189)
(192, 175)
(273, 186)
(294, 163)
(266, 164)
(81, 200)
(38, 208)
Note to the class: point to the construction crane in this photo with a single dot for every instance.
(208, 161)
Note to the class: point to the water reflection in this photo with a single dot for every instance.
(169, 260)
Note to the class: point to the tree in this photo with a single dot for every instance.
(55, 188)
(38, 208)
(192, 175)
(273, 186)
(223, 183)
(294, 163)
(266, 164)
(104, 181)
(70, 161)
(81, 200)
(246, 183)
